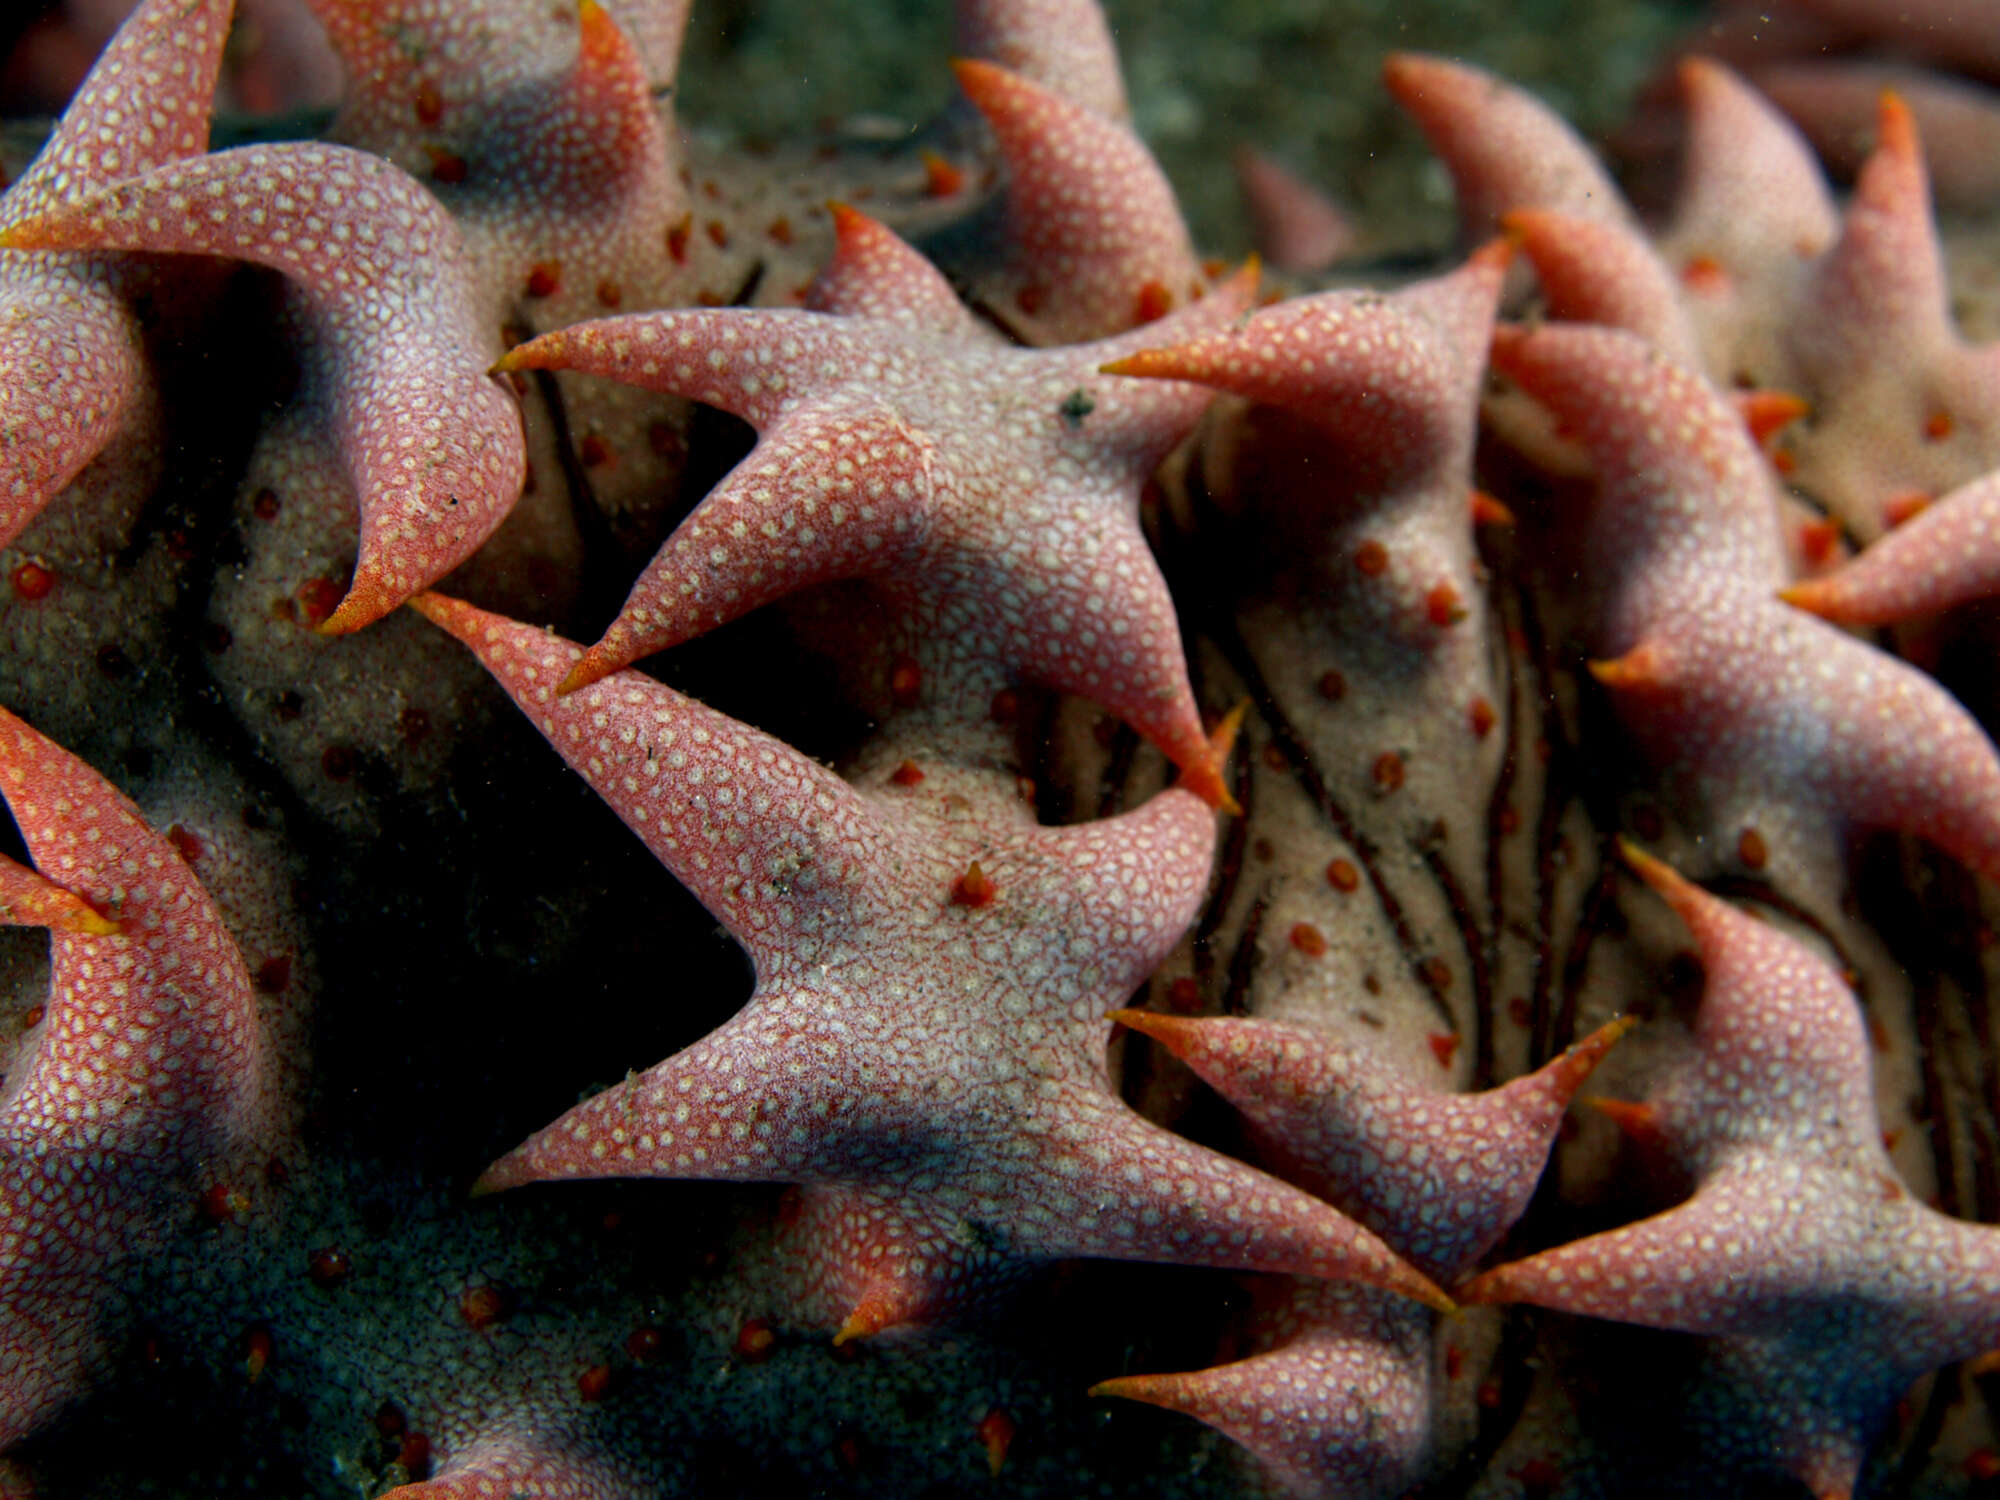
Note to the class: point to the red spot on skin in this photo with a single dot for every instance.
(781, 230)
(1785, 461)
(1982, 1463)
(1444, 1047)
(1705, 274)
(907, 774)
(317, 598)
(1006, 706)
(1275, 757)
(1454, 1362)
(1878, 1035)
(906, 682)
(484, 1305)
(1508, 822)
(1518, 1011)
(389, 1420)
(447, 167)
(1484, 717)
(677, 238)
(1030, 299)
(429, 103)
(594, 451)
(1343, 877)
(755, 1341)
(222, 1203)
(1332, 686)
(609, 293)
(1371, 559)
(258, 1351)
(1437, 974)
(545, 278)
(974, 888)
(996, 1432)
(32, 1017)
(414, 1454)
(1488, 1394)
(1308, 939)
(1750, 848)
(186, 844)
(594, 1384)
(1901, 508)
(1442, 606)
(718, 233)
(1184, 995)
(32, 581)
(645, 1343)
(941, 178)
(1817, 540)
(264, 505)
(273, 974)
(329, 1267)
(338, 762)
(1937, 427)
(1153, 303)
(1388, 771)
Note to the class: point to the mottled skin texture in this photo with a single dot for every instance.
(1380, 617)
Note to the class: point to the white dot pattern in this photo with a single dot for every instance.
(992, 491)
(943, 1060)
(1800, 1242)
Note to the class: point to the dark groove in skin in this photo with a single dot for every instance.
(1431, 851)
(1576, 962)
(599, 584)
(1287, 738)
(1243, 962)
(1507, 690)
(1548, 823)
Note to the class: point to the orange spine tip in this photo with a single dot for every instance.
(1641, 667)
(1487, 511)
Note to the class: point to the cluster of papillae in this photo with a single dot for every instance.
(501, 283)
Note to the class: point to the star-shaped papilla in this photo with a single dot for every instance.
(1504, 148)
(1799, 1240)
(990, 493)
(148, 1063)
(1903, 410)
(1063, 45)
(1752, 214)
(1765, 716)
(397, 350)
(1338, 1401)
(1090, 237)
(72, 368)
(515, 1457)
(1392, 382)
(926, 1038)
(540, 130)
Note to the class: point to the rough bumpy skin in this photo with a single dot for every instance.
(1049, 945)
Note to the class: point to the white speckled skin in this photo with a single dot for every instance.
(149, 1060)
(992, 493)
(1800, 1242)
(853, 1068)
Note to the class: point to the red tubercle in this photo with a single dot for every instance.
(1444, 1047)
(906, 682)
(33, 582)
(1443, 607)
(483, 1305)
(941, 178)
(1153, 303)
(428, 103)
(1371, 559)
(907, 774)
(1388, 772)
(974, 888)
(1308, 939)
(755, 1340)
(594, 1384)
(544, 278)
(330, 1266)
(186, 843)
(1343, 877)
(997, 1431)
(1483, 716)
